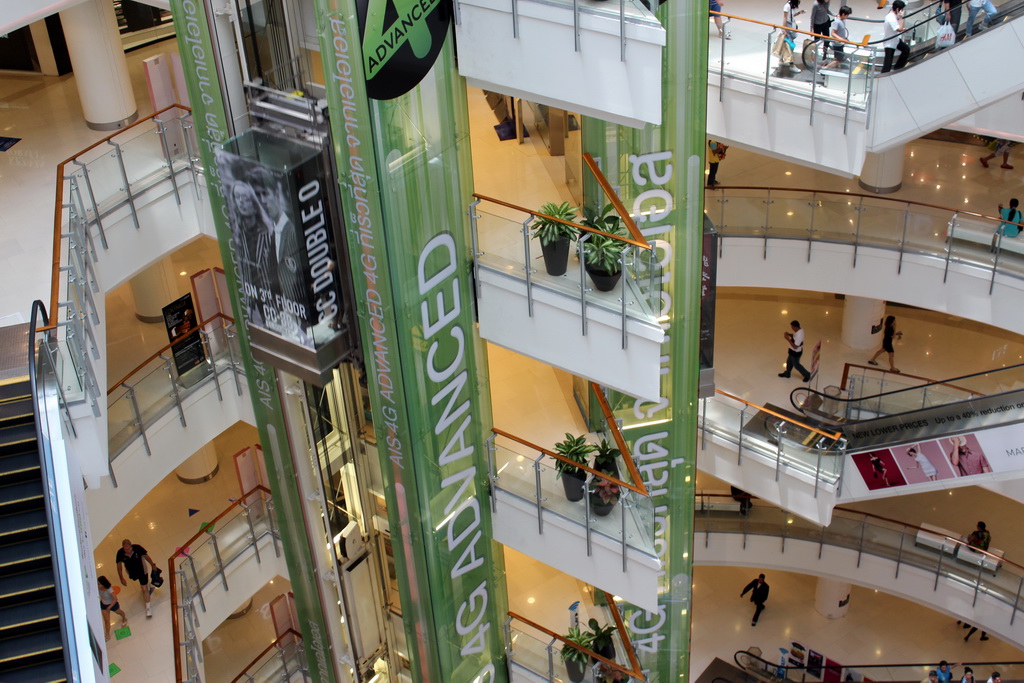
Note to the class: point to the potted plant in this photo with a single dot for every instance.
(601, 639)
(602, 254)
(555, 236)
(604, 496)
(576, 449)
(606, 674)
(576, 661)
(607, 458)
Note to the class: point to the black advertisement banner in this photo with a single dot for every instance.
(281, 223)
(708, 281)
(180, 321)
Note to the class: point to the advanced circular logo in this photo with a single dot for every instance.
(401, 41)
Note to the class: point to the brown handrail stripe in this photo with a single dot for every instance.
(585, 468)
(638, 673)
(613, 197)
(846, 370)
(584, 228)
(863, 43)
(609, 418)
(808, 427)
(626, 642)
(166, 348)
(289, 633)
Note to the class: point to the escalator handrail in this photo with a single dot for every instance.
(55, 536)
(928, 380)
(927, 665)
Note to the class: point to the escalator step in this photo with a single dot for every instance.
(28, 617)
(19, 467)
(17, 438)
(21, 497)
(31, 649)
(23, 557)
(23, 526)
(27, 587)
(50, 672)
(16, 412)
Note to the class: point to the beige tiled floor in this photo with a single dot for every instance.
(46, 114)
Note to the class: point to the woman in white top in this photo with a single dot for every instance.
(109, 603)
(789, 15)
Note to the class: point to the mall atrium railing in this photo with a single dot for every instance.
(947, 557)
(103, 183)
(283, 661)
(537, 648)
(771, 436)
(862, 220)
(502, 243)
(749, 54)
(154, 388)
(201, 565)
(864, 395)
(532, 472)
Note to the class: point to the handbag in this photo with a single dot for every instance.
(155, 578)
(875, 329)
(940, 14)
(946, 37)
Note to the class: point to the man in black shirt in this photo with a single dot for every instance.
(758, 595)
(133, 557)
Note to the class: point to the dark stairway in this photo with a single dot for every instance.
(31, 646)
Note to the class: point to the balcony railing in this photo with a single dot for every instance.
(954, 235)
(283, 661)
(201, 565)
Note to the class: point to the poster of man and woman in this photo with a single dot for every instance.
(962, 455)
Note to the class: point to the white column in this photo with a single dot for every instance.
(152, 290)
(859, 314)
(882, 173)
(832, 598)
(202, 466)
(231, 69)
(101, 70)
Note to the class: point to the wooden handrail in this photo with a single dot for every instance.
(635, 673)
(861, 195)
(174, 584)
(627, 644)
(834, 436)
(613, 197)
(166, 348)
(59, 210)
(862, 43)
(289, 633)
(586, 468)
(613, 426)
(584, 228)
(846, 373)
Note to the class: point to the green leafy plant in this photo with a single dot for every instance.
(549, 231)
(600, 251)
(602, 635)
(607, 457)
(576, 449)
(608, 492)
(584, 639)
(607, 674)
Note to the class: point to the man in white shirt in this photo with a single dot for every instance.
(795, 339)
(893, 31)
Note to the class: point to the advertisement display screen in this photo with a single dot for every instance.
(182, 325)
(282, 232)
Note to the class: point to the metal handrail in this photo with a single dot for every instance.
(289, 633)
(171, 569)
(781, 27)
(927, 380)
(835, 436)
(823, 666)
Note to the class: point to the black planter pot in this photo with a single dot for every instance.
(600, 508)
(575, 670)
(603, 282)
(611, 470)
(608, 652)
(573, 485)
(556, 256)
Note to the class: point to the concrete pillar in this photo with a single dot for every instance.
(883, 172)
(202, 466)
(859, 314)
(152, 290)
(101, 70)
(832, 598)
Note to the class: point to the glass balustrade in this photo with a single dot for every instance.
(282, 662)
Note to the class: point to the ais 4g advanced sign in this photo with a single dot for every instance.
(401, 40)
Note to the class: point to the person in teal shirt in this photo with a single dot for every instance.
(1010, 216)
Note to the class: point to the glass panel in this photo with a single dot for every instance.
(835, 218)
(105, 176)
(742, 213)
(881, 223)
(153, 391)
(142, 154)
(789, 215)
(120, 422)
(532, 654)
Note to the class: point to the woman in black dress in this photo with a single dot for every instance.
(887, 336)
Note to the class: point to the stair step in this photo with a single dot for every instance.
(16, 412)
(16, 390)
(28, 617)
(27, 587)
(31, 649)
(23, 526)
(17, 438)
(21, 497)
(22, 557)
(50, 672)
(19, 467)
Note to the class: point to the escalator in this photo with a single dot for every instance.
(876, 409)
(31, 635)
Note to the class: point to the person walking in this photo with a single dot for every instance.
(953, 13)
(795, 339)
(785, 45)
(893, 32)
(716, 6)
(888, 333)
(842, 32)
(968, 671)
(980, 538)
(134, 557)
(758, 590)
(974, 629)
(998, 146)
(821, 20)
(973, 7)
(108, 604)
(945, 675)
(716, 153)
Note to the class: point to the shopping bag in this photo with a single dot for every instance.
(946, 37)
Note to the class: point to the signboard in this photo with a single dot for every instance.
(815, 358)
(708, 296)
(401, 40)
(182, 325)
(282, 233)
